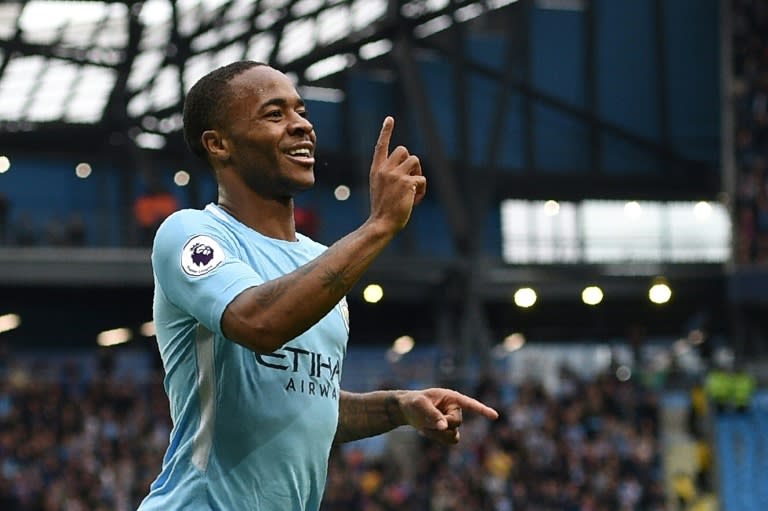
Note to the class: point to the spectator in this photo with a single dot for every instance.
(25, 232)
(150, 209)
(74, 231)
(307, 221)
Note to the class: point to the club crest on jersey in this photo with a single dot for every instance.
(200, 255)
(344, 306)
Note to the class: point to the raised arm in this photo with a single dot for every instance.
(437, 413)
(265, 317)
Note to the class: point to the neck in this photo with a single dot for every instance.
(271, 217)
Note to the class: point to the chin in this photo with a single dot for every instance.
(305, 184)
(305, 188)
(300, 186)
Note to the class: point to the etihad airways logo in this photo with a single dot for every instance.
(308, 372)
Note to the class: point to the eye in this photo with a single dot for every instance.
(274, 114)
(303, 113)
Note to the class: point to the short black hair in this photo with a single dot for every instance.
(206, 100)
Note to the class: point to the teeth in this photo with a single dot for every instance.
(300, 152)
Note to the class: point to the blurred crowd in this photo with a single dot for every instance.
(750, 70)
(26, 231)
(591, 446)
(77, 441)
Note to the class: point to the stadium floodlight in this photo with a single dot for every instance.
(633, 210)
(513, 342)
(342, 192)
(551, 208)
(623, 373)
(373, 293)
(181, 178)
(659, 292)
(702, 211)
(83, 170)
(9, 322)
(525, 297)
(114, 337)
(148, 329)
(592, 295)
(403, 344)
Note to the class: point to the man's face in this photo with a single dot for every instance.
(271, 142)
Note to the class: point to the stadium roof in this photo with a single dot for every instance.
(76, 71)
(127, 64)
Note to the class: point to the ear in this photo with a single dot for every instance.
(216, 145)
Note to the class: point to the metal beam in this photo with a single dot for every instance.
(578, 113)
(529, 120)
(660, 47)
(442, 171)
(503, 105)
(474, 329)
(590, 79)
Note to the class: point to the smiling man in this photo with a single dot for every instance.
(251, 316)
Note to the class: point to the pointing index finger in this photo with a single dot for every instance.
(476, 406)
(381, 151)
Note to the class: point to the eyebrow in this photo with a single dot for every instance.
(281, 102)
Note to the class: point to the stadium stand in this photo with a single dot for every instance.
(594, 445)
(77, 434)
(87, 432)
(740, 439)
(750, 74)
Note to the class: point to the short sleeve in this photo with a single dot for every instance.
(197, 269)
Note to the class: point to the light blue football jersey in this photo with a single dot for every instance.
(250, 431)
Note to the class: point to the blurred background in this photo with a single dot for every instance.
(590, 258)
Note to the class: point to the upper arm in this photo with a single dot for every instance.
(198, 269)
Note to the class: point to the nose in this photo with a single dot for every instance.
(301, 125)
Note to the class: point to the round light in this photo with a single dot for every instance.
(9, 322)
(592, 295)
(659, 293)
(373, 293)
(513, 342)
(623, 373)
(403, 344)
(702, 211)
(5, 164)
(342, 192)
(181, 178)
(114, 337)
(551, 208)
(83, 170)
(632, 209)
(148, 329)
(525, 297)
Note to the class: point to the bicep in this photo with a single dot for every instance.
(259, 318)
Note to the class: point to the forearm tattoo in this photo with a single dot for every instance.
(340, 281)
(365, 415)
(273, 290)
(335, 281)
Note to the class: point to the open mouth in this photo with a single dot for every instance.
(302, 155)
